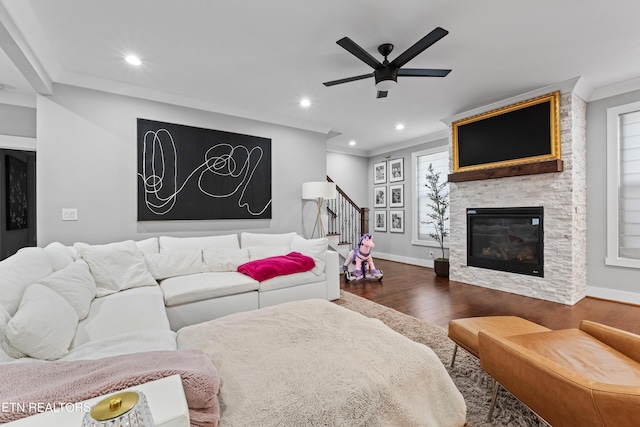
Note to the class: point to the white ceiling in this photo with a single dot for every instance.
(257, 59)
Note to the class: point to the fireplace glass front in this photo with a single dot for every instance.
(506, 239)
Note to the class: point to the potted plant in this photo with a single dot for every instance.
(438, 196)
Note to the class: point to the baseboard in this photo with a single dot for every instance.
(613, 295)
(406, 260)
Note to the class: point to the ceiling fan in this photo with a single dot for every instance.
(386, 73)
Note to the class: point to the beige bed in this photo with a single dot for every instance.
(313, 363)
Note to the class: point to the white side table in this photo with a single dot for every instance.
(165, 396)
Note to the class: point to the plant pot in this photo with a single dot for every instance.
(441, 267)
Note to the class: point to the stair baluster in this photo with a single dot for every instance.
(346, 219)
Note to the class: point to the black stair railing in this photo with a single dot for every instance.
(346, 219)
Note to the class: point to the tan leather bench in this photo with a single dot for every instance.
(464, 332)
(586, 377)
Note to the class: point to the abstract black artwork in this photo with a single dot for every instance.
(16, 198)
(191, 173)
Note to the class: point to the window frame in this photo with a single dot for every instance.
(415, 226)
(612, 256)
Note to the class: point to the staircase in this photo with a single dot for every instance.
(347, 222)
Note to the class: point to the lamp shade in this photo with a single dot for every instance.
(319, 189)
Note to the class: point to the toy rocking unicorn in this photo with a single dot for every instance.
(361, 257)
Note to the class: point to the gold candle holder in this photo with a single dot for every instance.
(126, 409)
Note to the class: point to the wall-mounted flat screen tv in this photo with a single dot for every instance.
(526, 132)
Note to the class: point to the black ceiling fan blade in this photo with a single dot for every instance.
(422, 72)
(348, 79)
(419, 46)
(382, 94)
(359, 52)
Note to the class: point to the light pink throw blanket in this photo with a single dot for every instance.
(76, 381)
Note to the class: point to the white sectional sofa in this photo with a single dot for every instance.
(93, 301)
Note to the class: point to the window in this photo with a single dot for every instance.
(623, 185)
(420, 161)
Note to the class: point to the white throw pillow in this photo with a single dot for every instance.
(149, 246)
(59, 255)
(6, 346)
(44, 324)
(224, 259)
(250, 240)
(314, 248)
(172, 264)
(116, 266)
(18, 272)
(173, 244)
(75, 284)
(260, 252)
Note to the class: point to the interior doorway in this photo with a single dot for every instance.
(17, 200)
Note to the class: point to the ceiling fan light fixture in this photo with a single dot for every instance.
(386, 85)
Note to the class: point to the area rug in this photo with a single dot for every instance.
(471, 380)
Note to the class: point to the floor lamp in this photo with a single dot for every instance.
(318, 191)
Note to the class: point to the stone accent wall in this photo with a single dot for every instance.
(563, 196)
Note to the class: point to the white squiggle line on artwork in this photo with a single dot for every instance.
(224, 165)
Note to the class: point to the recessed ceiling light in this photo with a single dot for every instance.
(305, 102)
(399, 126)
(352, 143)
(133, 60)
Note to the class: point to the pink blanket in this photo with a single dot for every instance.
(268, 268)
(71, 382)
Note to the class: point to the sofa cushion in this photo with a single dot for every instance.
(168, 243)
(44, 324)
(290, 280)
(149, 246)
(75, 284)
(178, 263)
(261, 252)
(314, 248)
(18, 272)
(224, 259)
(8, 352)
(116, 266)
(126, 343)
(122, 312)
(257, 239)
(197, 287)
(59, 255)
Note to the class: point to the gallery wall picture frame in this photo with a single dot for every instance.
(380, 173)
(396, 170)
(396, 222)
(380, 221)
(380, 196)
(396, 196)
(16, 193)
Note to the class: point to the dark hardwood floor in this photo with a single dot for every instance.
(417, 291)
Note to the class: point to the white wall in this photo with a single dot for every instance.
(87, 160)
(349, 173)
(398, 246)
(17, 121)
(604, 281)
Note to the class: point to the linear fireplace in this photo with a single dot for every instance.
(506, 239)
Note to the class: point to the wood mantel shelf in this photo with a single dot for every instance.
(547, 166)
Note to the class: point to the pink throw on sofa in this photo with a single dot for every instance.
(268, 268)
(75, 381)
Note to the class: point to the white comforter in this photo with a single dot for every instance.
(313, 363)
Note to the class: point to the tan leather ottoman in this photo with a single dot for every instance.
(464, 332)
